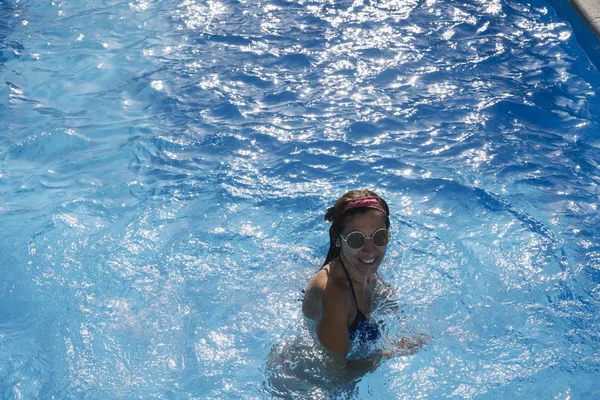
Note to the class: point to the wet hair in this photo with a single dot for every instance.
(338, 215)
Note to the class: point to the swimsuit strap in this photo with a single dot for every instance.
(358, 312)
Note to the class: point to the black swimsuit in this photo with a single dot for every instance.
(362, 328)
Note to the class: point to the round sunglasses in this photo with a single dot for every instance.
(356, 240)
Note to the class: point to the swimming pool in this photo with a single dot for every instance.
(166, 167)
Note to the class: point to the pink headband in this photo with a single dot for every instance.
(365, 202)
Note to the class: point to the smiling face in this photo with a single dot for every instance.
(368, 258)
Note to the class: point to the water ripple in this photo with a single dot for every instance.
(162, 160)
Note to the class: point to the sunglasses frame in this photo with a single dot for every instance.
(366, 238)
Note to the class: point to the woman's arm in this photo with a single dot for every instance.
(332, 332)
(343, 369)
(332, 327)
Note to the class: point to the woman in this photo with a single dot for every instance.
(339, 296)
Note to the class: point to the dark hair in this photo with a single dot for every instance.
(338, 218)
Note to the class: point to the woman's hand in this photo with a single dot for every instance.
(404, 346)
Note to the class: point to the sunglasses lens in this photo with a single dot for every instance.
(381, 238)
(355, 240)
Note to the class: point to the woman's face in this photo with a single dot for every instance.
(368, 258)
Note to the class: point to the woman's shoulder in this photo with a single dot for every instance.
(327, 283)
(318, 282)
(324, 293)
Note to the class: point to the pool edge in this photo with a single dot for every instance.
(589, 11)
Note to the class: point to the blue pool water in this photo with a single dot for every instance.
(165, 167)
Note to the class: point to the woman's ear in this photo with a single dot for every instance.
(337, 243)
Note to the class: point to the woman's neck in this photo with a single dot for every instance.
(363, 282)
